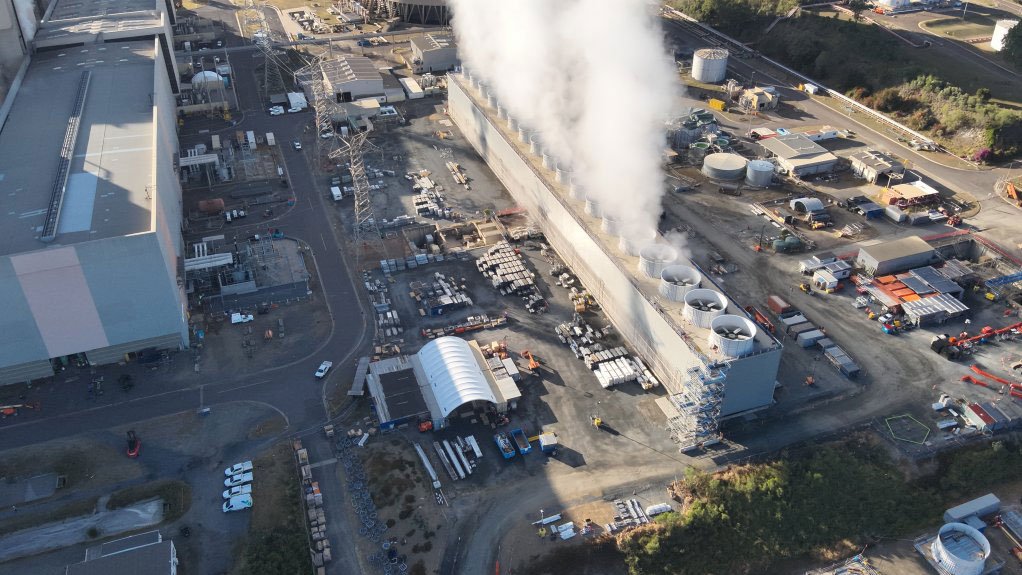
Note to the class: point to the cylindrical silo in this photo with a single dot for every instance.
(678, 280)
(702, 305)
(611, 225)
(709, 65)
(576, 190)
(536, 143)
(563, 173)
(632, 242)
(593, 207)
(733, 335)
(653, 258)
(724, 166)
(1001, 29)
(960, 549)
(759, 173)
(548, 159)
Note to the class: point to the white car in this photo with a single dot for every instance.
(276, 112)
(294, 110)
(238, 468)
(239, 490)
(239, 479)
(323, 368)
(298, 145)
(238, 503)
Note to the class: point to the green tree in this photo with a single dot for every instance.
(857, 6)
(1013, 46)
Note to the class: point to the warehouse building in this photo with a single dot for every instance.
(871, 165)
(896, 256)
(449, 377)
(916, 193)
(91, 212)
(352, 78)
(684, 355)
(430, 12)
(433, 53)
(798, 155)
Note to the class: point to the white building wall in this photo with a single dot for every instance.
(750, 380)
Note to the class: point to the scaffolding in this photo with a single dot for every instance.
(697, 422)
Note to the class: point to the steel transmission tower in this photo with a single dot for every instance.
(332, 151)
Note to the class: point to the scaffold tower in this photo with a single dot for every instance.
(697, 422)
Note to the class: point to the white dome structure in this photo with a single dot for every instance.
(453, 373)
(960, 549)
(207, 79)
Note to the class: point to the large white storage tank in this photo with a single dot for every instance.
(724, 166)
(678, 280)
(1001, 33)
(702, 305)
(759, 173)
(960, 549)
(653, 258)
(710, 65)
(733, 335)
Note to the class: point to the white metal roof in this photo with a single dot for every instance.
(454, 374)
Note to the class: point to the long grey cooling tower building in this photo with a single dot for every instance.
(711, 357)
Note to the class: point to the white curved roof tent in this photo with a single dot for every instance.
(453, 374)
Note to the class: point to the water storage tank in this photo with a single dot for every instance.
(536, 143)
(1000, 33)
(960, 549)
(678, 280)
(702, 305)
(563, 174)
(632, 242)
(759, 173)
(709, 65)
(611, 226)
(724, 166)
(653, 258)
(733, 335)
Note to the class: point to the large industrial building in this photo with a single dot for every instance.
(798, 155)
(708, 353)
(433, 53)
(91, 241)
(896, 256)
(433, 12)
(352, 78)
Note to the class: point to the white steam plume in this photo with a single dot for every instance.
(594, 77)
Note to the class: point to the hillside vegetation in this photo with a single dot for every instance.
(825, 504)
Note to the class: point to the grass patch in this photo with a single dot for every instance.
(277, 541)
(26, 520)
(176, 496)
(974, 26)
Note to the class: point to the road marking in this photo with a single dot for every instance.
(228, 390)
(324, 463)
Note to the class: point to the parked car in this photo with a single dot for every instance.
(238, 468)
(239, 490)
(239, 479)
(323, 368)
(238, 503)
(294, 110)
(297, 145)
